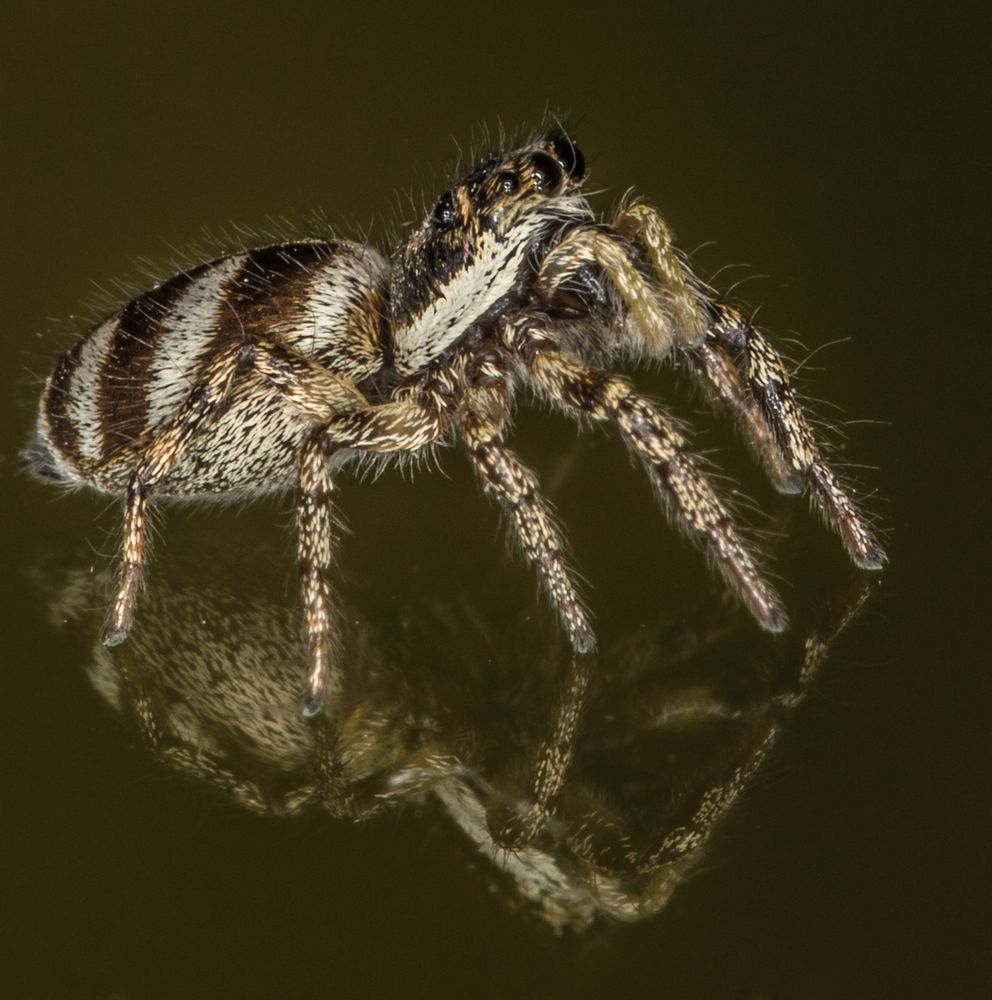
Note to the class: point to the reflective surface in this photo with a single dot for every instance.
(834, 152)
(441, 709)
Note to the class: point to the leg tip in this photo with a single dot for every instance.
(873, 558)
(774, 620)
(786, 482)
(768, 610)
(766, 606)
(584, 644)
(313, 704)
(115, 635)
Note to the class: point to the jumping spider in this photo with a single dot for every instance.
(272, 368)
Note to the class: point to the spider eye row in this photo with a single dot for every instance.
(545, 172)
(444, 211)
(569, 156)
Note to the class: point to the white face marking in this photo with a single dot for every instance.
(187, 330)
(468, 295)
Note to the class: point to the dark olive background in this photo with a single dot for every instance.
(839, 152)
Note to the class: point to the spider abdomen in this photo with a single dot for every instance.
(125, 380)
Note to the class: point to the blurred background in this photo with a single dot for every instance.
(835, 157)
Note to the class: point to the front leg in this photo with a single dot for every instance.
(768, 383)
(765, 406)
(644, 225)
(668, 307)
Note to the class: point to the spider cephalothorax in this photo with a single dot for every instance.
(474, 256)
(271, 368)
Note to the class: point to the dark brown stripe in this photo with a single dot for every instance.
(270, 294)
(122, 392)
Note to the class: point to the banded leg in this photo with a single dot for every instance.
(396, 426)
(768, 382)
(315, 391)
(766, 407)
(655, 438)
(644, 225)
(480, 423)
(153, 461)
(677, 314)
(722, 383)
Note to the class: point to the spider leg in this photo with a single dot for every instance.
(722, 383)
(143, 705)
(154, 459)
(768, 381)
(392, 427)
(481, 419)
(308, 386)
(315, 540)
(765, 406)
(516, 828)
(657, 440)
(718, 799)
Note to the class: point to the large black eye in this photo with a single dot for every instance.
(508, 183)
(545, 171)
(444, 211)
(569, 156)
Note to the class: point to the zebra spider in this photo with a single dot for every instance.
(272, 368)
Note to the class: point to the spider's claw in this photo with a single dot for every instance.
(772, 617)
(873, 559)
(584, 643)
(115, 634)
(865, 551)
(764, 604)
(313, 703)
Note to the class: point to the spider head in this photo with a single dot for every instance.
(503, 189)
(481, 243)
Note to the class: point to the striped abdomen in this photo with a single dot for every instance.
(127, 377)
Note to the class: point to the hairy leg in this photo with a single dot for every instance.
(315, 540)
(721, 382)
(307, 386)
(693, 503)
(719, 798)
(481, 419)
(391, 427)
(764, 404)
(675, 313)
(768, 382)
(150, 462)
(516, 828)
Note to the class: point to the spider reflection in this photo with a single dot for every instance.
(591, 797)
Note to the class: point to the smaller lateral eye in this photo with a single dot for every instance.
(545, 171)
(444, 211)
(508, 182)
(569, 156)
